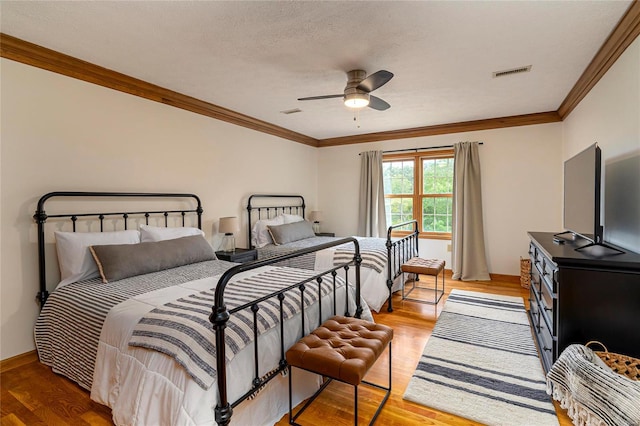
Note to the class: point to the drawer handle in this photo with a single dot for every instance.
(548, 309)
(546, 349)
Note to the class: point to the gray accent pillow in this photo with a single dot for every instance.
(118, 261)
(282, 234)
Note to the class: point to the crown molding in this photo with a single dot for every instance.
(31, 54)
(22, 51)
(441, 129)
(620, 38)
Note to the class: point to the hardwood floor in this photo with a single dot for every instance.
(31, 394)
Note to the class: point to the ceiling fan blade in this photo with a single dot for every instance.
(375, 80)
(313, 98)
(377, 103)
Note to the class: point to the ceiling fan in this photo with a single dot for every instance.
(359, 86)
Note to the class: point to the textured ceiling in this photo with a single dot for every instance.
(257, 58)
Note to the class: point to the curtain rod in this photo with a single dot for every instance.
(422, 149)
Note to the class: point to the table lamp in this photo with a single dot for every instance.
(316, 217)
(228, 226)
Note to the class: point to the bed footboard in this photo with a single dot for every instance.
(398, 252)
(220, 316)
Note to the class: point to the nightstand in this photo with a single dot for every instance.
(325, 234)
(239, 256)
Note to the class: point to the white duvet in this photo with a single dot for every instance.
(373, 284)
(145, 387)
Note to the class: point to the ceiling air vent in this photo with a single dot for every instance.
(291, 111)
(512, 71)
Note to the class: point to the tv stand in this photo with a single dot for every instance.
(599, 250)
(576, 297)
(591, 248)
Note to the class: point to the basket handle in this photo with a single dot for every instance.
(596, 342)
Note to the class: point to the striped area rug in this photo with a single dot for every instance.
(481, 363)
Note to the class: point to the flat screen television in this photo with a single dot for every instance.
(582, 189)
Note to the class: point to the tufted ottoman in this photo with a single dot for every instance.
(418, 265)
(343, 349)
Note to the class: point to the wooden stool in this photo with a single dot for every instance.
(418, 265)
(343, 349)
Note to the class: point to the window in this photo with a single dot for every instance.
(430, 201)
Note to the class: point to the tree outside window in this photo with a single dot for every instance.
(429, 202)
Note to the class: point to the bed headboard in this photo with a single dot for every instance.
(121, 216)
(267, 206)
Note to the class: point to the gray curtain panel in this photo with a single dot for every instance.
(372, 221)
(468, 258)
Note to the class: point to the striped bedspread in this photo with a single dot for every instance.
(306, 261)
(68, 329)
(181, 329)
(372, 250)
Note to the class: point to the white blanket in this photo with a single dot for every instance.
(145, 387)
(373, 284)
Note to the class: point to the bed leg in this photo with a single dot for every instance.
(389, 301)
(223, 414)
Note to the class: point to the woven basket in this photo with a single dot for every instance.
(525, 272)
(621, 364)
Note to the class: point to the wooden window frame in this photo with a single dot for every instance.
(418, 188)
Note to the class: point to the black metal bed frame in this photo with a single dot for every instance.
(295, 206)
(398, 251)
(41, 217)
(220, 314)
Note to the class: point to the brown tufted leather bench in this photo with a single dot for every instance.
(343, 349)
(418, 265)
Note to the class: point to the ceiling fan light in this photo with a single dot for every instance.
(356, 100)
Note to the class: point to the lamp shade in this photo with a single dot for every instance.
(229, 225)
(315, 216)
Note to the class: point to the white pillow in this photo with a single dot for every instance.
(260, 236)
(292, 218)
(74, 257)
(160, 233)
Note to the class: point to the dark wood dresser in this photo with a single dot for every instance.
(577, 296)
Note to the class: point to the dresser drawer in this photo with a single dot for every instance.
(538, 259)
(550, 274)
(548, 305)
(546, 268)
(546, 298)
(535, 278)
(546, 344)
(534, 308)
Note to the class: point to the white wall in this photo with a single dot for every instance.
(521, 188)
(59, 133)
(63, 134)
(610, 116)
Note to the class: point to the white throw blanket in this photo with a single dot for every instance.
(592, 393)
